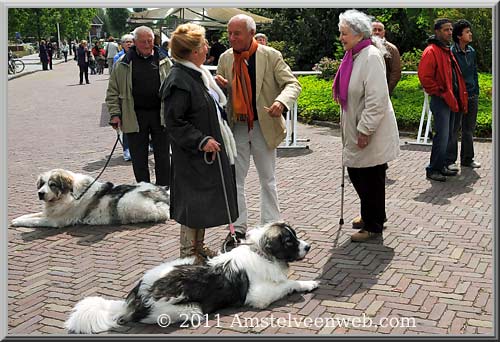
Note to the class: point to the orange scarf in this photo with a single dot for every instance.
(242, 86)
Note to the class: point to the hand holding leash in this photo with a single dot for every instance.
(115, 122)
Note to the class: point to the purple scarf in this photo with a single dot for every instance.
(343, 76)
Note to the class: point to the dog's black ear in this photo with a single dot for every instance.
(39, 182)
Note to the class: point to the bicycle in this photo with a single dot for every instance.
(15, 65)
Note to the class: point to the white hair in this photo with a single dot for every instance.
(357, 21)
(142, 29)
(360, 23)
(127, 36)
(246, 18)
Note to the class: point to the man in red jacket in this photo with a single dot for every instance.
(441, 78)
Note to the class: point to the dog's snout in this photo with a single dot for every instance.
(307, 247)
(41, 195)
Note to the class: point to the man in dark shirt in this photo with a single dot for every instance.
(136, 106)
(466, 58)
(216, 50)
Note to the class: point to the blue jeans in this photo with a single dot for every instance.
(443, 124)
(466, 122)
(125, 142)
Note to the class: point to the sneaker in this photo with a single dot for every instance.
(126, 155)
(364, 235)
(453, 167)
(435, 175)
(447, 172)
(473, 164)
(151, 148)
(229, 244)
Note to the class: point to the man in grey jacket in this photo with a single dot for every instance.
(134, 105)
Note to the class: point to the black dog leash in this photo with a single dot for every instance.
(104, 168)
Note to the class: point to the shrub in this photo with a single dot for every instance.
(410, 59)
(328, 67)
(315, 102)
(287, 50)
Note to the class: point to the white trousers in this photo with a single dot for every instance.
(253, 144)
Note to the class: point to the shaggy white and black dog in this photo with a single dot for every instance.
(102, 203)
(253, 274)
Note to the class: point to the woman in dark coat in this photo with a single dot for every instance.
(44, 57)
(50, 52)
(83, 58)
(193, 117)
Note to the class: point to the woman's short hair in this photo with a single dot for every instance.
(126, 37)
(357, 21)
(83, 41)
(185, 39)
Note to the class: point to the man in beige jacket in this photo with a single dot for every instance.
(259, 93)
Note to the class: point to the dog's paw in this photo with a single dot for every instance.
(17, 222)
(308, 285)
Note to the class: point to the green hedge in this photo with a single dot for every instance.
(315, 102)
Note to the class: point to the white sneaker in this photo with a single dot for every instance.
(453, 167)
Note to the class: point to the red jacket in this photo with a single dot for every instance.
(435, 75)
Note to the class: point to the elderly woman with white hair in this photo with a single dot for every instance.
(370, 135)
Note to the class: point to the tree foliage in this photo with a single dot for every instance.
(118, 20)
(41, 23)
(312, 33)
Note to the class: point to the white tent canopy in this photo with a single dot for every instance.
(208, 17)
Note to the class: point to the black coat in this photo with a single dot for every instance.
(83, 56)
(44, 57)
(196, 192)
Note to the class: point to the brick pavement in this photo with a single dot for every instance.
(434, 265)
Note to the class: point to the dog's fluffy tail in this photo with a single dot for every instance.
(95, 314)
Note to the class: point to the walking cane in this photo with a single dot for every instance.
(342, 186)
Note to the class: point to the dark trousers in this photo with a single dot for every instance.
(466, 123)
(149, 123)
(45, 65)
(369, 183)
(443, 124)
(65, 53)
(50, 62)
(84, 69)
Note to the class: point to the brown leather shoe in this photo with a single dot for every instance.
(364, 235)
(358, 223)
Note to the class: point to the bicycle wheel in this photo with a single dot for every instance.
(19, 66)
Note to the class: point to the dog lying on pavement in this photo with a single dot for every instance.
(254, 274)
(103, 203)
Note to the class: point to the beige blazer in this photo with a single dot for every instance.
(274, 82)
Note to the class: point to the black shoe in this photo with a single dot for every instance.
(447, 172)
(229, 242)
(435, 175)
